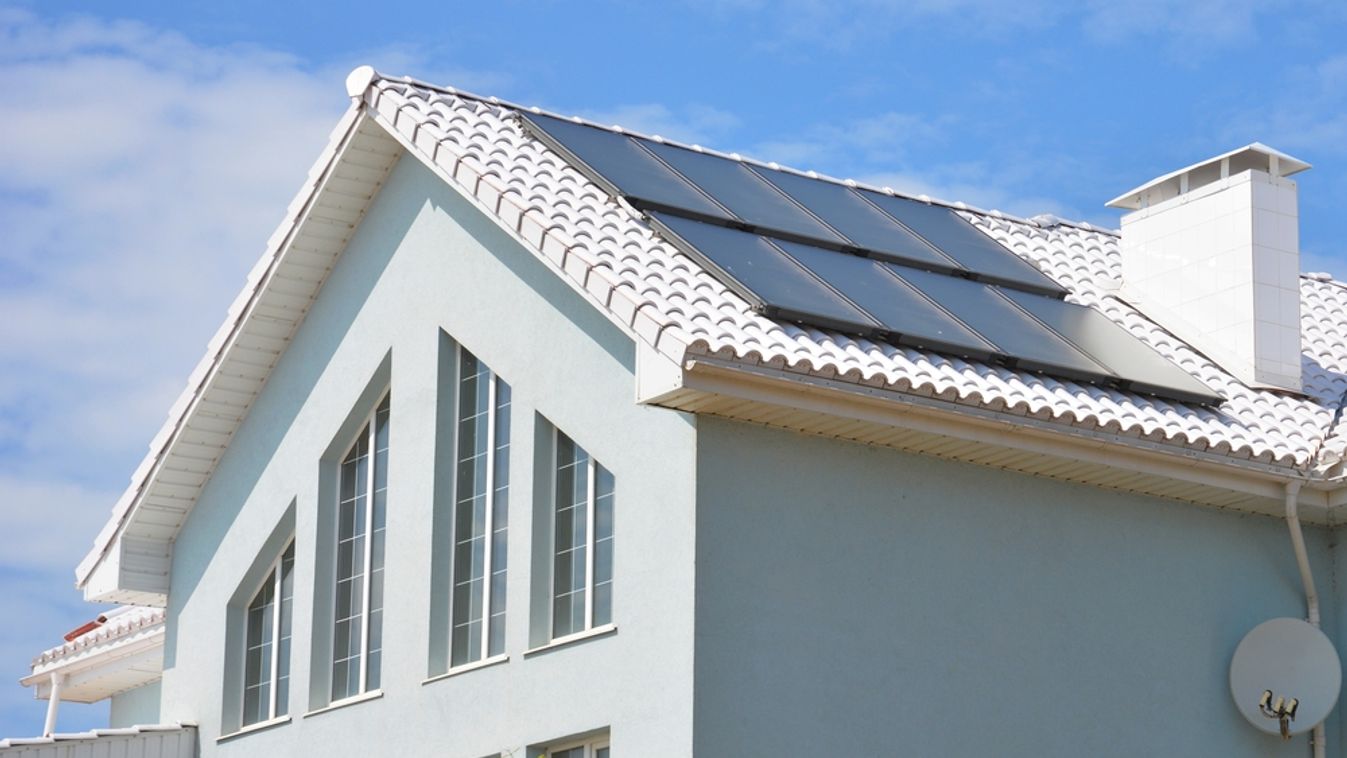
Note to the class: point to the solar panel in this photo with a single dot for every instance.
(618, 164)
(960, 240)
(865, 225)
(1140, 367)
(901, 311)
(745, 193)
(921, 275)
(1016, 335)
(758, 271)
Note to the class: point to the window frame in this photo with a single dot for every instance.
(591, 745)
(370, 432)
(491, 488)
(273, 572)
(592, 468)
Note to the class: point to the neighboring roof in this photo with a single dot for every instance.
(606, 251)
(121, 653)
(177, 740)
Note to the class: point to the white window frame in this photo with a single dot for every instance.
(371, 430)
(591, 746)
(592, 467)
(489, 529)
(273, 573)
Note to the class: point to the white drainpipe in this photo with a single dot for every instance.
(53, 703)
(1319, 740)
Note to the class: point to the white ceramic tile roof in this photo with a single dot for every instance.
(121, 623)
(636, 271)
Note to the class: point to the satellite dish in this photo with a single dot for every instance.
(1297, 665)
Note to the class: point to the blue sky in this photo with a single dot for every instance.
(149, 149)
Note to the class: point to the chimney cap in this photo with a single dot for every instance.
(1254, 155)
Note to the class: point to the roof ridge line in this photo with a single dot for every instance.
(957, 205)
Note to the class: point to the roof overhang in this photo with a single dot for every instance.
(126, 654)
(130, 559)
(947, 428)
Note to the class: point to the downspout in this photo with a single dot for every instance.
(1318, 740)
(53, 703)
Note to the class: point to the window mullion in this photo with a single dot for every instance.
(589, 543)
(275, 632)
(490, 507)
(369, 545)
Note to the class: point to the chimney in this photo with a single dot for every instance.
(1212, 253)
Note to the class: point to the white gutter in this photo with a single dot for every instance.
(1319, 740)
(53, 703)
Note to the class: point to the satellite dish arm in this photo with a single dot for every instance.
(1319, 739)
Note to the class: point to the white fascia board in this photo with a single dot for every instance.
(890, 408)
(127, 505)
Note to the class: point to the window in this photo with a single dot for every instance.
(582, 569)
(266, 659)
(357, 634)
(595, 748)
(481, 513)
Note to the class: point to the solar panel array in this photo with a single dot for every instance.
(863, 262)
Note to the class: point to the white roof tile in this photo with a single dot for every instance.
(704, 316)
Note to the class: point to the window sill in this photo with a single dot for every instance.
(571, 639)
(352, 700)
(260, 726)
(466, 667)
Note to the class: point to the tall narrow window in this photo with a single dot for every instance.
(357, 635)
(582, 570)
(481, 513)
(266, 660)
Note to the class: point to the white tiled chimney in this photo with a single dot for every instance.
(1212, 253)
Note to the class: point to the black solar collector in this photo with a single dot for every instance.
(865, 226)
(861, 262)
(754, 268)
(1141, 368)
(622, 167)
(961, 241)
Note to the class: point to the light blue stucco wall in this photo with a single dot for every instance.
(425, 261)
(853, 601)
(137, 706)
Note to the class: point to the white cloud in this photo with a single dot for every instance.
(146, 174)
(140, 177)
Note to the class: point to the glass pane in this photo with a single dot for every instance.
(865, 225)
(620, 163)
(900, 309)
(960, 240)
(760, 272)
(1022, 339)
(747, 195)
(1113, 346)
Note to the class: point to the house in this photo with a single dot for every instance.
(528, 437)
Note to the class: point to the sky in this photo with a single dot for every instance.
(149, 149)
